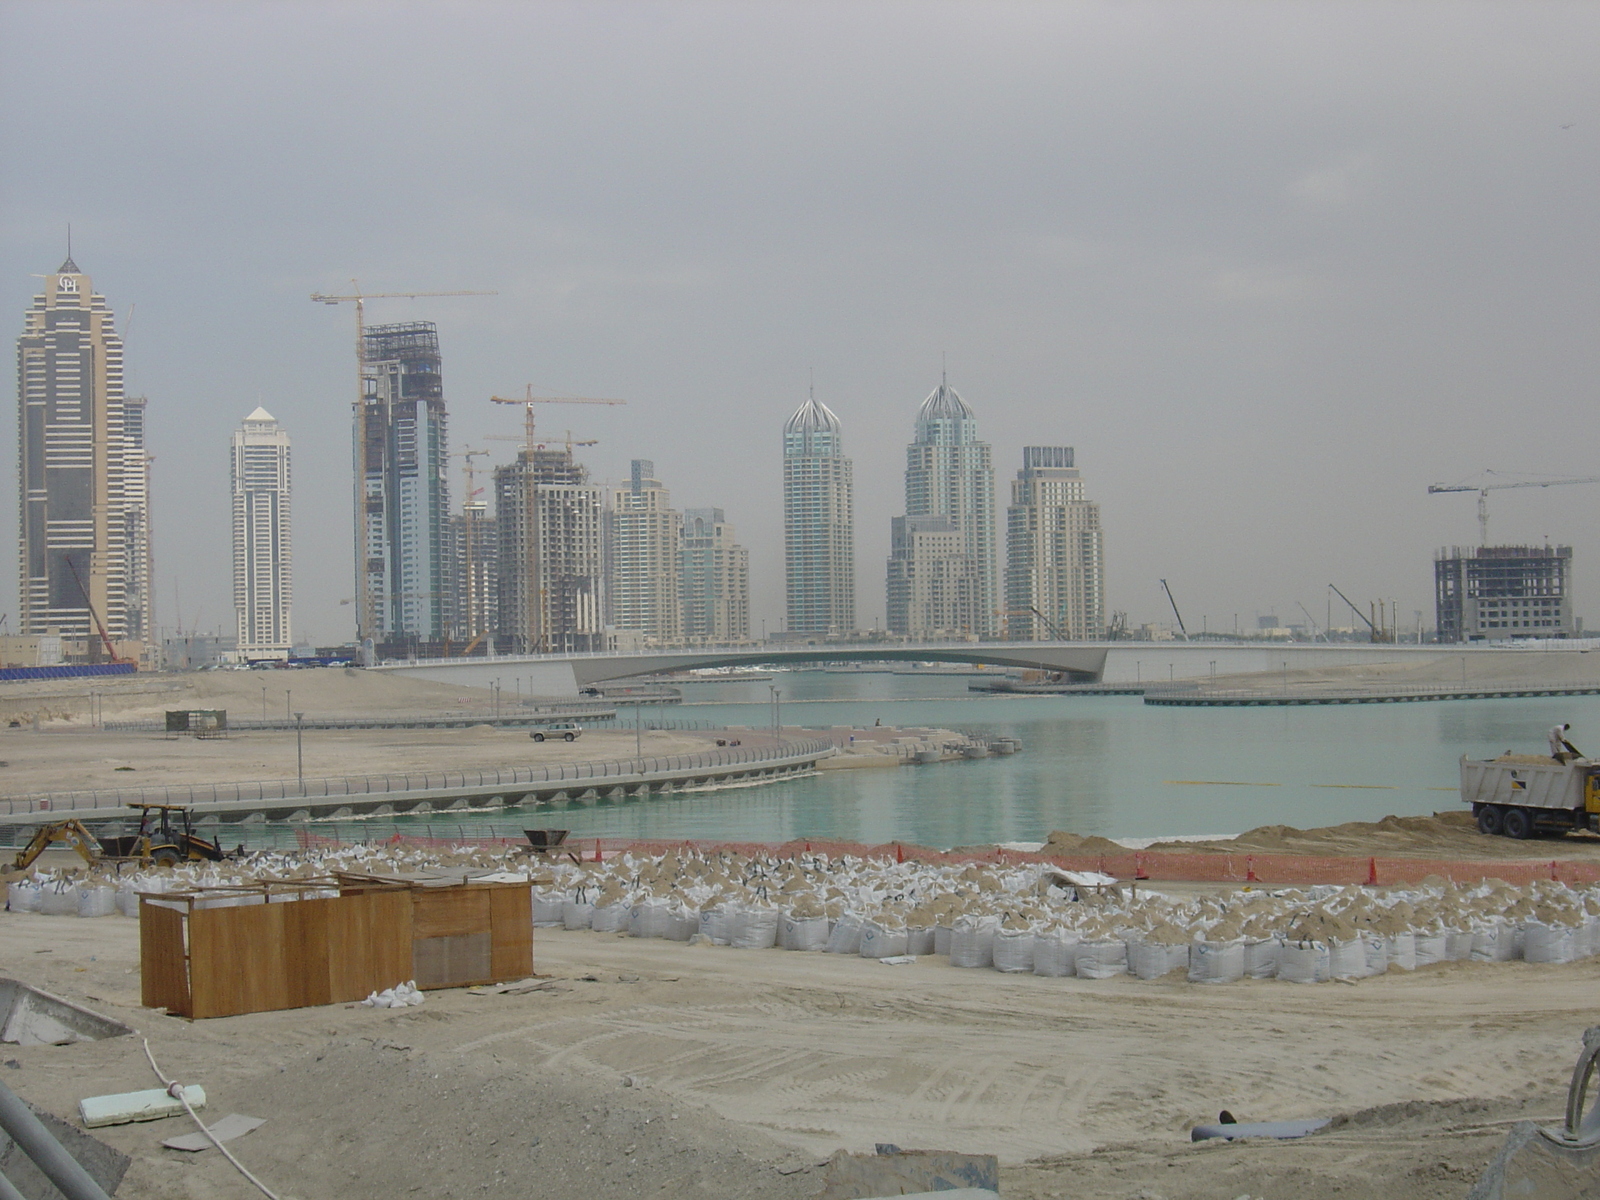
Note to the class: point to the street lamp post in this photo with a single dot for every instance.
(638, 731)
(288, 697)
(300, 750)
(263, 704)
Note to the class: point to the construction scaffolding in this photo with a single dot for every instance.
(1493, 593)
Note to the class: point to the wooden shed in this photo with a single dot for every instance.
(218, 952)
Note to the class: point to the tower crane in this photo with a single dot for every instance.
(532, 625)
(366, 621)
(1483, 490)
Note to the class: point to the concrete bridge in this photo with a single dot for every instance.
(1100, 662)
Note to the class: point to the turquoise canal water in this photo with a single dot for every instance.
(1107, 765)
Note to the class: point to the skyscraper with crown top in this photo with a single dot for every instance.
(818, 523)
(84, 554)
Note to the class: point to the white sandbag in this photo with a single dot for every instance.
(1346, 959)
(1013, 951)
(1430, 948)
(682, 923)
(22, 896)
(845, 937)
(97, 900)
(1403, 950)
(548, 910)
(610, 918)
(1493, 942)
(1152, 960)
(972, 942)
(941, 938)
(1055, 954)
(803, 933)
(1261, 958)
(1303, 962)
(1549, 943)
(716, 925)
(577, 914)
(648, 919)
(59, 900)
(753, 929)
(880, 942)
(1458, 944)
(920, 939)
(1375, 947)
(1216, 962)
(1101, 959)
(1588, 941)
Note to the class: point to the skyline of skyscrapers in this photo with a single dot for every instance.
(714, 575)
(263, 577)
(818, 523)
(405, 589)
(1055, 554)
(83, 473)
(642, 533)
(949, 473)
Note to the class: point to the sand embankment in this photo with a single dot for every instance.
(751, 1064)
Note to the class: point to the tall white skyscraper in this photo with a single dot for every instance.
(642, 557)
(819, 543)
(1055, 559)
(949, 473)
(263, 577)
(84, 548)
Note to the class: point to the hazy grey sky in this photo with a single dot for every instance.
(1271, 268)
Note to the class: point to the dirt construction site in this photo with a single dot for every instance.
(635, 1066)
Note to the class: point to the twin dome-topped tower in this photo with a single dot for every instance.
(943, 579)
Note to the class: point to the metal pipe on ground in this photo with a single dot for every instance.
(17, 1119)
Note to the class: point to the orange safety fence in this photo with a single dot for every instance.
(1267, 870)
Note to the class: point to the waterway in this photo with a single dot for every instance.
(1107, 765)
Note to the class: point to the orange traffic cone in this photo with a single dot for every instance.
(1138, 867)
(900, 854)
(597, 850)
(1372, 870)
(1250, 870)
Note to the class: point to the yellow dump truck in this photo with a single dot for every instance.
(1519, 795)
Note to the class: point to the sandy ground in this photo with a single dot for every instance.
(1508, 668)
(75, 758)
(751, 1066)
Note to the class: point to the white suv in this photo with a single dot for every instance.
(568, 730)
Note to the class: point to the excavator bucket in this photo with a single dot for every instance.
(1537, 1163)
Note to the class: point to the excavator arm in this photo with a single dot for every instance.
(72, 832)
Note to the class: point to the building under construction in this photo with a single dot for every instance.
(1494, 593)
(551, 556)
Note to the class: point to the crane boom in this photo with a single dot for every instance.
(1483, 490)
(1357, 611)
(1175, 611)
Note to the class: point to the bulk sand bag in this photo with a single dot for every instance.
(753, 929)
(1346, 959)
(1216, 962)
(1055, 954)
(1493, 942)
(716, 925)
(1430, 948)
(1101, 958)
(941, 938)
(972, 942)
(1261, 957)
(547, 910)
(610, 915)
(97, 900)
(1403, 950)
(577, 913)
(920, 939)
(1459, 945)
(22, 896)
(1012, 950)
(648, 919)
(845, 937)
(1303, 962)
(804, 930)
(882, 940)
(682, 923)
(59, 900)
(1548, 943)
(1375, 948)
(1148, 959)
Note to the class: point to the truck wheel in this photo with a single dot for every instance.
(1489, 819)
(165, 857)
(1517, 824)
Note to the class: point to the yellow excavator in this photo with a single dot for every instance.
(157, 842)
